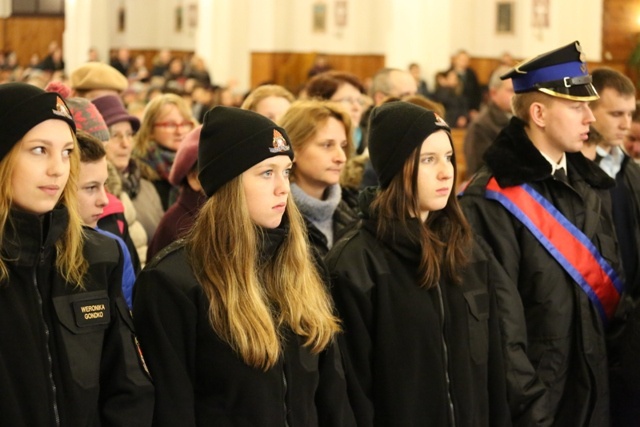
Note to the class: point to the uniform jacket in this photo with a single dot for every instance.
(201, 381)
(67, 356)
(554, 338)
(481, 133)
(416, 356)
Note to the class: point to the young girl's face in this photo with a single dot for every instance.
(42, 166)
(435, 173)
(266, 188)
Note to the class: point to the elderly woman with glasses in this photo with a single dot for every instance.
(142, 205)
(165, 122)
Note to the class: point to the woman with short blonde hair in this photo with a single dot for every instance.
(321, 136)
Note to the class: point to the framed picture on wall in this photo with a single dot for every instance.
(178, 16)
(341, 13)
(192, 15)
(540, 13)
(122, 19)
(319, 17)
(504, 17)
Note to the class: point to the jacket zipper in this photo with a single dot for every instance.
(284, 397)
(445, 352)
(46, 333)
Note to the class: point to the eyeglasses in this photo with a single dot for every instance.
(351, 101)
(122, 136)
(173, 126)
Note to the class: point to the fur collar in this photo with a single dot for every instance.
(514, 160)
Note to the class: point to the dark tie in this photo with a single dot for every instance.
(560, 175)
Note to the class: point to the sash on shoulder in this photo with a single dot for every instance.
(569, 246)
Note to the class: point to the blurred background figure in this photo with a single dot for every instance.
(632, 140)
(197, 70)
(492, 118)
(93, 55)
(449, 93)
(346, 90)
(271, 101)
(423, 89)
(471, 89)
(122, 61)
(320, 65)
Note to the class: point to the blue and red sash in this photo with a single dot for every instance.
(569, 246)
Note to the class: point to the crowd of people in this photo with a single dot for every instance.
(173, 258)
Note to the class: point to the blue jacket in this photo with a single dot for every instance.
(128, 273)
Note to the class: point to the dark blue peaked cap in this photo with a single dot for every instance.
(561, 73)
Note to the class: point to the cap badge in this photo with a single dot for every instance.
(279, 143)
(61, 109)
(440, 121)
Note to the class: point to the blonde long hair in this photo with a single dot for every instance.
(249, 303)
(70, 260)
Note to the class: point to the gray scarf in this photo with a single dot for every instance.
(319, 212)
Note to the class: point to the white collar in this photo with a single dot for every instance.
(555, 166)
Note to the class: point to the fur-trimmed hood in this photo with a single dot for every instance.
(514, 160)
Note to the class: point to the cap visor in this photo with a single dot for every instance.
(574, 93)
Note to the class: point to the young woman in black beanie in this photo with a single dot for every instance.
(414, 289)
(67, 350)
(236, 325)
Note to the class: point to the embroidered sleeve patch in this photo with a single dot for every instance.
(92, 312)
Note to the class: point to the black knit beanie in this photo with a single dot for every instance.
(24, 106)
(233, 140)
(395, 130)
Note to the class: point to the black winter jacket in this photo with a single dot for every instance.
(201, 381)
(624, 369)
(344, 218)
(416, 356)
(67, 356)
(554, 338)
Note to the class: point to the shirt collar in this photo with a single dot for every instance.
(555, 166)
(615, 153)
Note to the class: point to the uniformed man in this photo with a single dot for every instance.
(545, 210)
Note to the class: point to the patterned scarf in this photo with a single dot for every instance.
(131, 179)
(160, 159)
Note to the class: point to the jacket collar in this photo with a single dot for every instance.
(30, 236)
(403, 240)
(514, 160)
